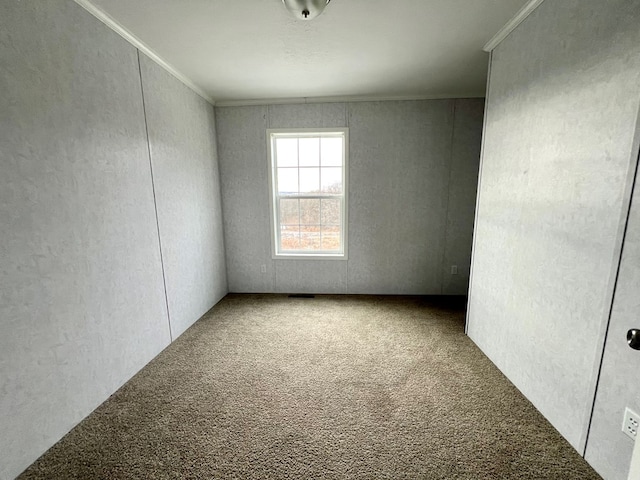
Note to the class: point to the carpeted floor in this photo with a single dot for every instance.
(333, 387)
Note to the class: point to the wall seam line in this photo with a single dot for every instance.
(222, 210)
(478, 184)
(155, 203)
(139, 45)
(445, 234)
(272, 226)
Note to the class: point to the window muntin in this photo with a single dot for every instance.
(308, 192)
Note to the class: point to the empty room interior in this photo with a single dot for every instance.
(315, 239)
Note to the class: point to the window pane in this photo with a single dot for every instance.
(330, 238)
(289, 211)
(287, 180)
(287, 152)
(309, 152)
(309, 180)
(309, 211)
(332, 152)
(332, 180)
(289, 238)
(331, 212)
(310, 238)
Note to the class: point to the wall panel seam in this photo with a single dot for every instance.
(139, 45)
(445, 230)
(155, 203)
(221, 197)
(274, 265)
(219, 178)
(478, 184)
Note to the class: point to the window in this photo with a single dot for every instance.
(308, 178)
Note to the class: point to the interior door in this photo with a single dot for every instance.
(634, 474)
(609, 450)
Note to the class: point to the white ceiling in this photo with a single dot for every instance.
(255, 49)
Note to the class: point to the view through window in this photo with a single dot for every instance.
(308, 170)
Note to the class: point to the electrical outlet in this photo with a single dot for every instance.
(454, 269)
(630, 423)
(263, 269)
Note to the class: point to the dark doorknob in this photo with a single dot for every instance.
(633, 338)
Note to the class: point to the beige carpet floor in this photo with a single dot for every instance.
(332, 387)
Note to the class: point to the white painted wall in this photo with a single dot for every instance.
(555, 184)
(412, 173)
(82, 301)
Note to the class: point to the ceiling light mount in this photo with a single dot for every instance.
(306, 9)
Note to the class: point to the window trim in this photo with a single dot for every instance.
(273, 133)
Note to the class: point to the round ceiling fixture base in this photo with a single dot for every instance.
(306, 9)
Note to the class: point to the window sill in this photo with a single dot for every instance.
(310, 256)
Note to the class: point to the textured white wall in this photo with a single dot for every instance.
(411, 173)
(187, 188)
(82, 302)
(554, 185)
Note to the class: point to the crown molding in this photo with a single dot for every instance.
(339, 99)
(512, 24)
(140, 45)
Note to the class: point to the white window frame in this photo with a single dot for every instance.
(272, 134)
